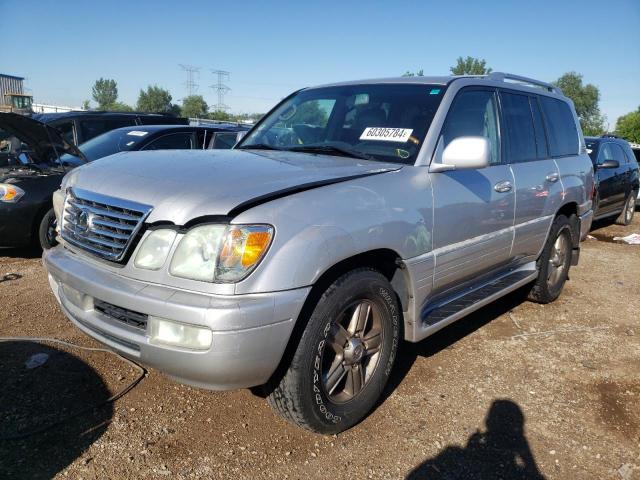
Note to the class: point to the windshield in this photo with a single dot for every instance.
(115, 141)
(384, 122)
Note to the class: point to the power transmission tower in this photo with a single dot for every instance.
(221, 89)
(191, 85)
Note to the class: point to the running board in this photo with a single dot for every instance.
(440, 315)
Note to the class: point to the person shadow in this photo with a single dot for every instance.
(46, 415)
(500, 452)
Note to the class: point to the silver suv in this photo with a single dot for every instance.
(351, 217)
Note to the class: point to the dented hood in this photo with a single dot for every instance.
(181, 185)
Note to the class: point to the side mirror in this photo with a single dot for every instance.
(464, 153)
(609, 164)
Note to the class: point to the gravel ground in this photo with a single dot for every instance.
(516, 390)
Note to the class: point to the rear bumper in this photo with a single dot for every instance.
(250, 332)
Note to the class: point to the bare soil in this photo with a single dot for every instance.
(516, 390)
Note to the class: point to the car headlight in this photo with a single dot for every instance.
(10, 193)
(154, 249)
(220, 253)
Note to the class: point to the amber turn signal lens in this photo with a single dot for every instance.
(255, 245)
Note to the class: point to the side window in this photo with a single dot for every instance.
(538, 123)
(224, 140)
(173, 141)
(474, 113)
(606, 153)
(93, 127)
(618, 154)
(66, 128)
(561, 127)
(519, 132)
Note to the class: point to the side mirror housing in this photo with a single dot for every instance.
(464, 153)
(609, 164)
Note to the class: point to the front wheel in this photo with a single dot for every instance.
(344, 357)
(554, 262)
(626, 217)
(47, 230)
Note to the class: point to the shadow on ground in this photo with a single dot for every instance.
(37, 397)
(22, 253)
(501, 451)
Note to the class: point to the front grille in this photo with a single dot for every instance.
(135, 319)
(101, 225)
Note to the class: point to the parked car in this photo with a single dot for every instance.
(161, 137)
(30, 171)
(636, 152)
(79, 127)
(616, 178)
(350, 217)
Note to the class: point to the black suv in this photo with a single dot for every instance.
(78, 127)
(616, 178)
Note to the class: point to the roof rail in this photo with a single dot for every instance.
(502, 77)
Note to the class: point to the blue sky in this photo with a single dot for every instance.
(272, 48)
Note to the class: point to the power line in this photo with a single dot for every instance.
(221, 88)
(191, 85)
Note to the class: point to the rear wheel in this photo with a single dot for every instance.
(554, 263)
(47, 230)
(344, 357)
(626, 217)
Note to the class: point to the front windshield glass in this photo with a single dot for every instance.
(115, 141)
(384, 122)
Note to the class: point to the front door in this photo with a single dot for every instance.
(473, 209)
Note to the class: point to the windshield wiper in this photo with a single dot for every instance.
(259, 146)
(330, 150)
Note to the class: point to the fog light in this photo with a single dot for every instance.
(167, 332)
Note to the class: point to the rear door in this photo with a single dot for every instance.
(537, 179)
(474, 208)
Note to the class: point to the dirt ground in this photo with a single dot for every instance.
(516, 390)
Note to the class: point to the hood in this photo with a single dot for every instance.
(187, 184)
(44, 139)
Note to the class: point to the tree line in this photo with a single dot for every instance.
(155, 99)
(585, 97)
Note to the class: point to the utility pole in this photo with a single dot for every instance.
(221, 89)
(191, 85)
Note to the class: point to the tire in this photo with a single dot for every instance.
(554, 262)
(306, 394)
(46, 230)
(626, 216)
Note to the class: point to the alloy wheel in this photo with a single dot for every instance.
(353, 351)
(557, 259)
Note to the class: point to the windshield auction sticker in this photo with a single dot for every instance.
(137, 133)
(385, 134)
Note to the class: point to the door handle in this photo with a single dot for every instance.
(503, 187)
(553, 177)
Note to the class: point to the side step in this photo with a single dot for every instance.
(439, 315)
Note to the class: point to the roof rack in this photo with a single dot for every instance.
(503, 77)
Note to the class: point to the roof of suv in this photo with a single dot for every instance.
(49, 117)
(510, 80)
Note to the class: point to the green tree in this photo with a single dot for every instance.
(118, 107)
(194, 106)
(585, 99)
(219, 115)
(155, 99)
(628, 126)
(85, 105)
(470, 66)
(105, 92)
(419, 73)
(310, 113)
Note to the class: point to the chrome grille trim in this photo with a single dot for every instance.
(101, 225)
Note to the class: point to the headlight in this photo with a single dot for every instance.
(220, 253)
(10, 193)
(154, 250)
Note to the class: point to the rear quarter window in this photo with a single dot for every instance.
(561, 128)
